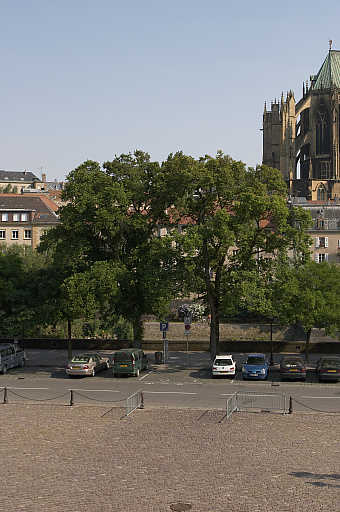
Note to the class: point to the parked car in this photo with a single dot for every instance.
(292, 367)
(223, 366)
(328, 368)
(255, 367)
(129, 361)
(87, 364)
(11, 355)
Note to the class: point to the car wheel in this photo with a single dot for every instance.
(93, 373)
(22, 362)
(137, 373)
(4, 370)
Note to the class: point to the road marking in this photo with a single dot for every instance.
(28, 389)
(323, 397)
(227, 394)
(145, 376)
(171, 392)
(94, 390)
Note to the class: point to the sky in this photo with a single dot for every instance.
(92, 79)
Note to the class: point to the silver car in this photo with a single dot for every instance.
(11, 355)
(87, 364)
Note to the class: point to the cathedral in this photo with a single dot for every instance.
(302, 139)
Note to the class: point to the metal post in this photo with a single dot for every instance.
(5, 396)
(187, 348)
(142, 400)
(290, 405)
(72, 399)
(271, 361)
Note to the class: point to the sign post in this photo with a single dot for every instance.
(164, 328)
(187, 332)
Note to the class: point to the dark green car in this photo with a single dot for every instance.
(129, 361)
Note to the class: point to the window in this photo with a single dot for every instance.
(16, 217)
(15, 234)
(321, 257)
(24, 217)
(4, 217)
(27, 234)
(2, 234)
(321, 241)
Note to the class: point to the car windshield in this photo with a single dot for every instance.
(328, 363)
(292, 362)
(81, 359)
(123, 357)
(223, 362)
(255, 360)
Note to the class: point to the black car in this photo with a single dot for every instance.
(292, 367)
(328, 368)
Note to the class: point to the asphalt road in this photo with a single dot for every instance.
(172, 388)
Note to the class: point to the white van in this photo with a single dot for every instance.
(11, 355)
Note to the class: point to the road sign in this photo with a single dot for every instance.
(187, 320)
(187, 327)
(187, 332)
(164, 326)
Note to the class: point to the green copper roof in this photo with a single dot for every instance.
(329, 72)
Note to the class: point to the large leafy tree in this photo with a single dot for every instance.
(308, 295)
(108, 230)
(236, 224)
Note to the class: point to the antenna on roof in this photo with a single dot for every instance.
(330, 43)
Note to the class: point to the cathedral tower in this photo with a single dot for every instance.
(302, 139)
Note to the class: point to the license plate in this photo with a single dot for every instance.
(293, 370)
(254, 374)
(331, 371)
(75, 367)
(123, 365)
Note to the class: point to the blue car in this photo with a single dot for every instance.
(255, 367)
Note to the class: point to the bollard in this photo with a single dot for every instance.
(290, 405)
(5, 396)
(72, 400)
(142, 400)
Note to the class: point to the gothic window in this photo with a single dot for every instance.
(321, 193)
(322, 130)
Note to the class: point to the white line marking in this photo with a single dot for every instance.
(145, 376)
(170, 392)
(323, 397)
(227, 394)
(27, 389)
(94, 390)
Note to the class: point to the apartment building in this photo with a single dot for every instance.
(24, 218)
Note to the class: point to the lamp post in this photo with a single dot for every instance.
(271, 361)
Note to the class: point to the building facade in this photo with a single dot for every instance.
(24, 218)
(302, 139)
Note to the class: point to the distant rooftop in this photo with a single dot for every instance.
(18, 176)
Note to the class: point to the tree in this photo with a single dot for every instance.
(108, 230)
(309, 295)
(236, 222)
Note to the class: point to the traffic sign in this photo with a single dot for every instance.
(164, 326)
(187, 320)
(187, 327)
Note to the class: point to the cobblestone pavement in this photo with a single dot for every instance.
(59, 458)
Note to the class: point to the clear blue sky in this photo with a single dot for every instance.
(91, 79)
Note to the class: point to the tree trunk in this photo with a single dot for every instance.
(69, 332)
(309, 332)
(138, 331)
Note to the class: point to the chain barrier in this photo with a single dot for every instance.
(72, 392)
(307, 407)
(97, 400)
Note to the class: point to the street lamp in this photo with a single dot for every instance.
(271, 361)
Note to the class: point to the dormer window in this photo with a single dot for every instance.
(16, 217)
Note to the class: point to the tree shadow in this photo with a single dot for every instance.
(319, 479)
